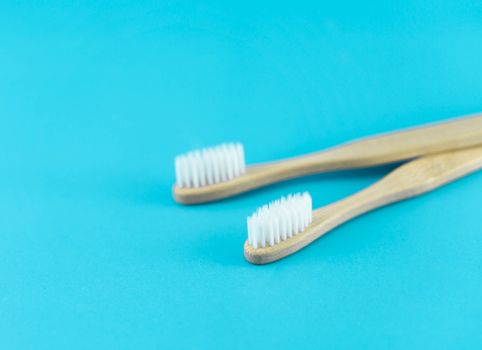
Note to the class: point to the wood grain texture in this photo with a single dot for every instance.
(387, 148)
(411, 179)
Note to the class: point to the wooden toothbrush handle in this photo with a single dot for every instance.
(387, 148)
(411, 179)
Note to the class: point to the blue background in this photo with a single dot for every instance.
(97, 98)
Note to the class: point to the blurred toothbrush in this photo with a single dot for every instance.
(218, 172)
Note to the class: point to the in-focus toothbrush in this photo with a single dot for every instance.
(218, 172)
(285, 226)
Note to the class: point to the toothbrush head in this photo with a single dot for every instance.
(279, 220)
(210, 166)
(213, 173)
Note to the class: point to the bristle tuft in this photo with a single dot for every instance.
(210, 165)
(279, 220)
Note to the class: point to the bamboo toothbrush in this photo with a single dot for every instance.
(218, 172)
(287, 225)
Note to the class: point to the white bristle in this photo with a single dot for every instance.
(279, 220)
(210, 165)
